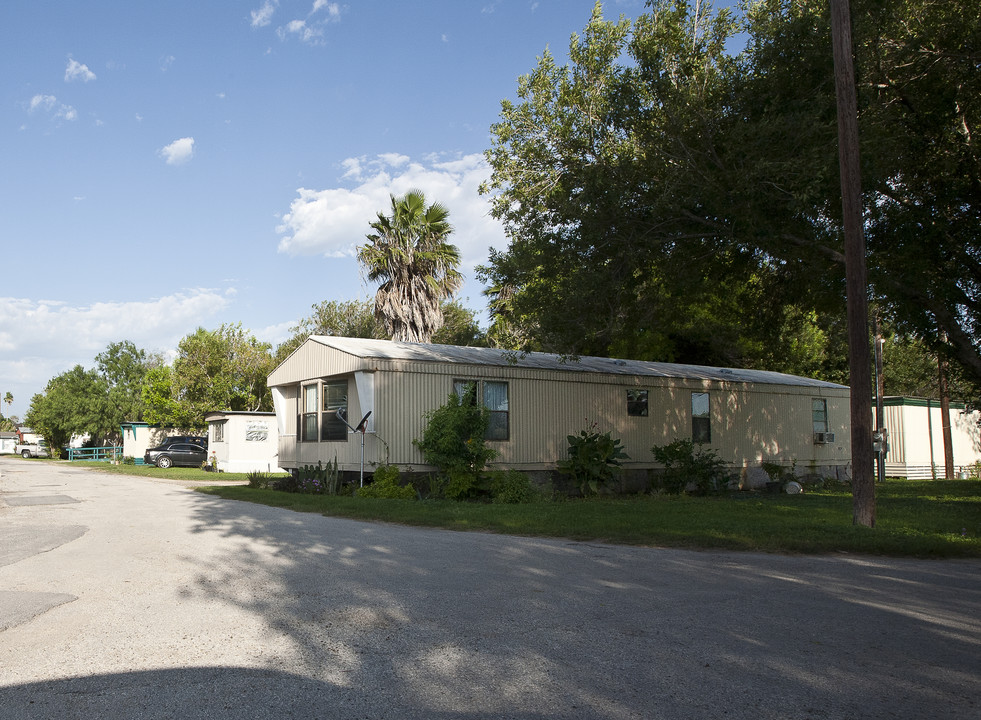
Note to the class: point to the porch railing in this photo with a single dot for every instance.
(105, 454)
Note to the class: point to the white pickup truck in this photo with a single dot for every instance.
(32, 450)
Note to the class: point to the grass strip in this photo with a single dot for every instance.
(939, 519)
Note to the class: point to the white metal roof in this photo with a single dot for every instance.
(391, 350)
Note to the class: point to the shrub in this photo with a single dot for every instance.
(594, 459)
(287, 483)
(259, 479)
(453, 442)
(316, 479)
(685, 467)
(385, 484)
(129, 460)
(513, 487)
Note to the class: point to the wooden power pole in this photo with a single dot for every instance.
(856, 284)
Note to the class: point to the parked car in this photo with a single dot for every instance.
(174, 439)
(186, 454)
(29, 450)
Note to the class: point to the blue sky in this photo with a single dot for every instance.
(170, 165)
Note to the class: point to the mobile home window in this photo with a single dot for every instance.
(637, 403)
(496, 400)
(218, 432)
(494, 396)
(308, 419)
(819, 414)
(335, 398)
(466, 390)
(701, 428)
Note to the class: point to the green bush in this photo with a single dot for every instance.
(688, 467)
(259, 479)
(129, 460)
(513, 487)
(287, 483)
(316, 479)
(594, 460)
(385, 484)
(453, 442)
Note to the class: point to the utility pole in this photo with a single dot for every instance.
(944, 390)
(856, 283)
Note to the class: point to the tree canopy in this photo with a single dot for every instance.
(223, 369)
(94, 402)
(73, 403)
(666, 199)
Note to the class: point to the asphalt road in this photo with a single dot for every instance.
(130, 598)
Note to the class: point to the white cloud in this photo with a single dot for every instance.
(333, 9)
(78, 71)
(33, 348)
(334, 221)
(309, 30)
(307, 33)
(263, 16)
(178, 152)
(165, 62)
(44, 102)
(49, 104)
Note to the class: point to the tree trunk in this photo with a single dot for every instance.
(945, 418)
(856, 284)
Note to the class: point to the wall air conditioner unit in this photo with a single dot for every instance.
(824, 438)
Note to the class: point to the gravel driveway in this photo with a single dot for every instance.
(131, 598)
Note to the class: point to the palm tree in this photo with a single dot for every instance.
(417, 268)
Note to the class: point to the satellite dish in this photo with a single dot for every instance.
(361, 425)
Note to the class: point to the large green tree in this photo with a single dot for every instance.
(73, 403)
(658, 191)
(605, 175)
(223, 369)
(96, 401)
(919, 93)
(409, 255)
(124, 368)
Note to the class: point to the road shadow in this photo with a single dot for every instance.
(517, 627)
(198, 693)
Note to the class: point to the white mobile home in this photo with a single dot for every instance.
(537, 400)
(243, 441)
(916, 439)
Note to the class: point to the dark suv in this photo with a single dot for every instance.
(178, 453)
(194, 439)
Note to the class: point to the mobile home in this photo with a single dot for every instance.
(324, 389)
(916, 438)
(240, 441)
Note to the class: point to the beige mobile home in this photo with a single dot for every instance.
(243, 441)
(916, 439)
(537, 400)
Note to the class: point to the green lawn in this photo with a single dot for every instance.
(917, 518)
(914, 518)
